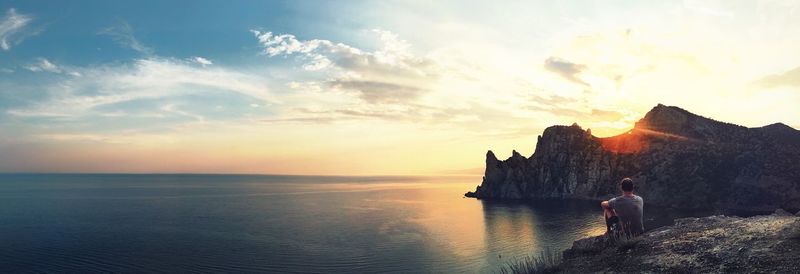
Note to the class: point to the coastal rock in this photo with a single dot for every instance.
(678, 159)
(716, 244)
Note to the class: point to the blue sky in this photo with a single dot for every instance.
(177, 28)
(397, 87)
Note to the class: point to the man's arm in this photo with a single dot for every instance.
(605, 205)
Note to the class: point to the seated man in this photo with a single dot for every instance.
(623, 214)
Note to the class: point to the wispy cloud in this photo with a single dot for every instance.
(377, 91)
(390, 74)
(123, 34)
(145, 79)
(202, 61)
(566, 69)
(788, 78)
(12, 27)
(44, 65)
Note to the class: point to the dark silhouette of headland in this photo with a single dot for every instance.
(678, 159)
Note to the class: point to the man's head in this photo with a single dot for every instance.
(626, 185)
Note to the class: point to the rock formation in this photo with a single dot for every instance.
(715, 244)
(678, 159)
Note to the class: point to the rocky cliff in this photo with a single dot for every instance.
(678, 159)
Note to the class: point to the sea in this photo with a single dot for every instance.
(181, 223)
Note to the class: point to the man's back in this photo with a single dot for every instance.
(629, 212)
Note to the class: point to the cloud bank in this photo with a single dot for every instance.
(390, 74)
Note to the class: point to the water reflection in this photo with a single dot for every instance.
(274, 224)
(427, 227)
(514, 228)
(510, 232)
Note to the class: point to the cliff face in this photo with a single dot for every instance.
(678, 159)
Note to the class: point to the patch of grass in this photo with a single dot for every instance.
(548, 261)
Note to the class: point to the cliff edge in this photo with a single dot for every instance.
(678, 159)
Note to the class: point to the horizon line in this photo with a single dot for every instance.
(234, 174)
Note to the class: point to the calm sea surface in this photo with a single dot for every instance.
(287, 224)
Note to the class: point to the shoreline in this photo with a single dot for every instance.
(679, 211)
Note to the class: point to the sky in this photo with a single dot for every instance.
(369, 87)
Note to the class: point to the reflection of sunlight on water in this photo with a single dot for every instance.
(518, 229)
(510, 231)
(472, 232)
(454, 223)
(397, 201)
(366, 208)
(432, 218)
(317, 188)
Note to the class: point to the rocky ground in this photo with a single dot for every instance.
(716, 244)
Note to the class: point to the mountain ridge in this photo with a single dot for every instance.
(678, 159)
